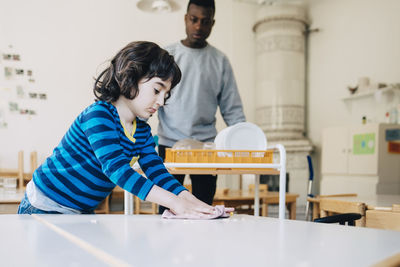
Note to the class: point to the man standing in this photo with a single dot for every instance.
(207, 83)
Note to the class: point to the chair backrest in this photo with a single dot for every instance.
(384, 219)
(34, 161)
(16, 174)
(261, 187)
(22, 177)
(221, 191)
(314, 202)
(27, 176)
(21, 169)
(330, 206)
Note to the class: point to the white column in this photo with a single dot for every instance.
(280, 32)
(280, 66)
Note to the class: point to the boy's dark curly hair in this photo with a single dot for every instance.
(136, 61)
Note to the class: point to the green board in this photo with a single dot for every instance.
(364, 144)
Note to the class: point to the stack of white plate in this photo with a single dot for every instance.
(241, 136)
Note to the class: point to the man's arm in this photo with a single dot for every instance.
(229, 100)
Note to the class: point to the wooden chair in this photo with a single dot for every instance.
(22, 177)
(15, 173)
(242, 206)
(118, 195)
(243, 201)
(104, 207)
(249, 209)
(261, 187)
(330, 206)
(221, 191)
(384, 219)
(33, 161)
(138, 207)
(225, 191)
(27, 176)
(314, 201)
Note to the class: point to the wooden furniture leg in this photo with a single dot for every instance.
(136, 206)
(264, 209)
(315, 213)
(21, 169)
(104, 207)
(34, 163)
(292, 210)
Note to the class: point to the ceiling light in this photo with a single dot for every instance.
(157, 6)
(161, 6)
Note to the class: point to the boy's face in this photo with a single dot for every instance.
(151, 96)
(199, 22)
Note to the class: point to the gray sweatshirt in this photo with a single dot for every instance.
(207, 82)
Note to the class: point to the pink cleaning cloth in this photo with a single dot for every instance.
(219, 212)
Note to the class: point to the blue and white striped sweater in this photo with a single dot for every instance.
(95, 155)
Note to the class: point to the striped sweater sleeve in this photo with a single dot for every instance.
(154, 168)
(100, 128)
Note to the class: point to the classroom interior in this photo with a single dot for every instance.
(341, 69)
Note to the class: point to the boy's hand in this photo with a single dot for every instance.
(189, 197)
(190, 206)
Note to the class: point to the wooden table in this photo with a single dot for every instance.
(370, 204)
(377, 202)
(148, 240)
(10, 199)
(381, 211)
(236, 198)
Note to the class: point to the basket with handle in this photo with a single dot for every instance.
(218, 156)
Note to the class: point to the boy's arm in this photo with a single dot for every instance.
(153, 166)
(100, 128)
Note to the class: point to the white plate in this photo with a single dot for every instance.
(220, 139)
(245, 136)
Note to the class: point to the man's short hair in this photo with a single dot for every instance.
(203, 3)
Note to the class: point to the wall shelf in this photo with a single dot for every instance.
(368, 93)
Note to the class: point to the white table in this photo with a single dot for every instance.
(148, 240)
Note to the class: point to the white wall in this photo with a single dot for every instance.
(356, 38)
(65, 43)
